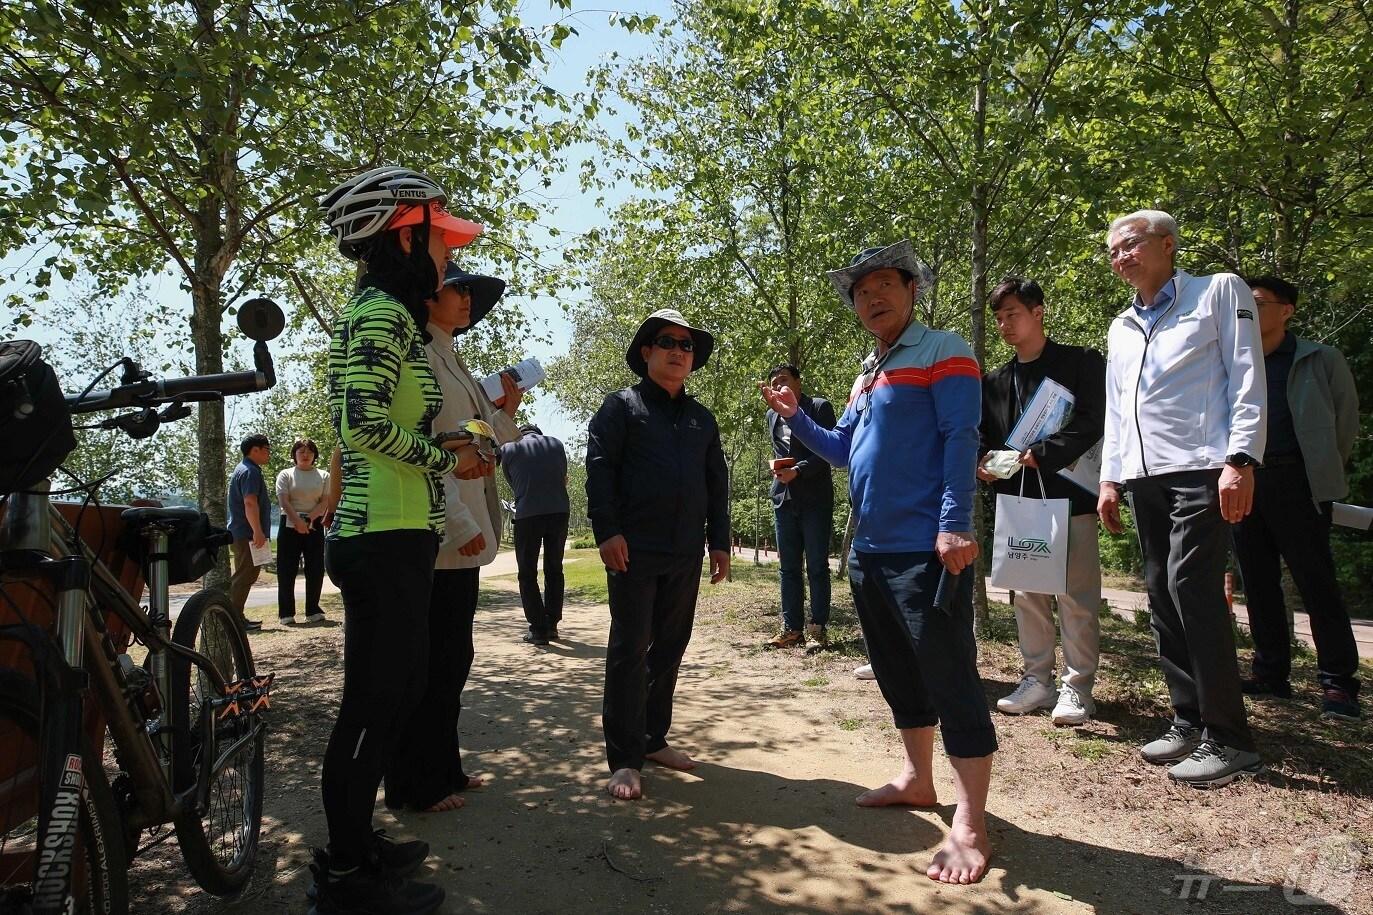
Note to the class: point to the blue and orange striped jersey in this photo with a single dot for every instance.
(909, 439)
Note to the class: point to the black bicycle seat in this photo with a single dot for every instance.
(138, 517)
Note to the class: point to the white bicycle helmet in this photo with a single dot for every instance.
(366, 205)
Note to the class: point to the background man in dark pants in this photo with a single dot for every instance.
(536, 467)
(1184, 430)
(657, 490)
(250, 520)
(1313, 420)
(803, 513)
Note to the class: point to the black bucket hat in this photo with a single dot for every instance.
(704, 340)
(486, 291)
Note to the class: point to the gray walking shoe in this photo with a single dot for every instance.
(1177, 743)
(1212, 765)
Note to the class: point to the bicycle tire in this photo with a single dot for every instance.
(219, 844)
(103, 858)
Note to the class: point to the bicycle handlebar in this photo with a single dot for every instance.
(152, 392)
(259, 319)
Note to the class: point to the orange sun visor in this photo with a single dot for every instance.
(457, 232)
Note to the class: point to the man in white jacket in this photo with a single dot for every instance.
(1185, 427)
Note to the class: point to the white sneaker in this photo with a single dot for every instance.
(1073, 708)
(864, 672)
(1028, 696)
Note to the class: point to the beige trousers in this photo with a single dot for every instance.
(1078, 611)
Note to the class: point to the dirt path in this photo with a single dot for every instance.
(766, 824)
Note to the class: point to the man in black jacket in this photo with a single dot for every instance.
(803, 512)
(1018, 306)
(657, 491)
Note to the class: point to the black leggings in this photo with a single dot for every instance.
(385, 580)
(426, 766)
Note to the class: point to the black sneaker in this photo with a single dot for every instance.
(553, 634)
(251, 625)
(368, 890)
(400, 859)
(1341, 704)
(535, 638)
(1257, 686)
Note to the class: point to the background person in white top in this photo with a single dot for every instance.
(301, 490)
(427, 771)
(1185, 426)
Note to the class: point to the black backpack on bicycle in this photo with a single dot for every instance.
(35, 422)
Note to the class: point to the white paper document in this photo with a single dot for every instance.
(1048, 411)
(261, 554)
(526, 373)
(1358, 517)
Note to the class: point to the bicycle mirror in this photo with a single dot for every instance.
(261, 319)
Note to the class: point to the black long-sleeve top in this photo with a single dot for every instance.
(1006, 391)
(655, 473)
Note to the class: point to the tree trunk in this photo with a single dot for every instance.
(977, 307)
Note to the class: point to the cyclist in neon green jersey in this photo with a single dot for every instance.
(381, 547)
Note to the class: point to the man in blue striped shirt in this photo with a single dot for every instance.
(909, 437)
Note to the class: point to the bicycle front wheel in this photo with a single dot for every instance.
(219, 832)
(99, 869)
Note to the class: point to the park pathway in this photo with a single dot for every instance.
(766, 824)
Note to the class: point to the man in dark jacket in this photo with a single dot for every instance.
(1313, 422)
(657, 491)
(1018, 306)
(803, 511)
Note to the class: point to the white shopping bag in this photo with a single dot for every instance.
(1030, 549)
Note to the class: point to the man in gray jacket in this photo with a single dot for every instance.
(1313, 419)
(1185, 427)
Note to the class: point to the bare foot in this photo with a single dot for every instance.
(452, 802)
(963, 859)
(624, 785)
(903, 791)
(473, 781)
(672, 758)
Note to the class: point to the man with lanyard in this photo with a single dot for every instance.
(909, 437)
(1018, 307)
(1313, 421)
(1185, 427)
(803, 514)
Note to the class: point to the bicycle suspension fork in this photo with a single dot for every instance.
(27, 538)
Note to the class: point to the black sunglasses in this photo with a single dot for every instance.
(666, 342)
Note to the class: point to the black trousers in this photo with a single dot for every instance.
(291, 549)
(652, 607)
(426, 766)
(549, 533)
(925, 659)
(1185, 542)
(1286, 525)
(384, 579)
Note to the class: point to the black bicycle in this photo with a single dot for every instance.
(186, 727)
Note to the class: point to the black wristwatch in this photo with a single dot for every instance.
(1240, 459)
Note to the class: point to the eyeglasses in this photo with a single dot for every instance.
(1128, 245)
(666, 342)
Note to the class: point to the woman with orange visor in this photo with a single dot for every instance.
(381, 547)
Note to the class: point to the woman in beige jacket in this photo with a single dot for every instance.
(431, 779)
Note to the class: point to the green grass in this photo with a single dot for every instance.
(816, 681)
(850, 724)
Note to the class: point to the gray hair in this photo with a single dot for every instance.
(1155, 221)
